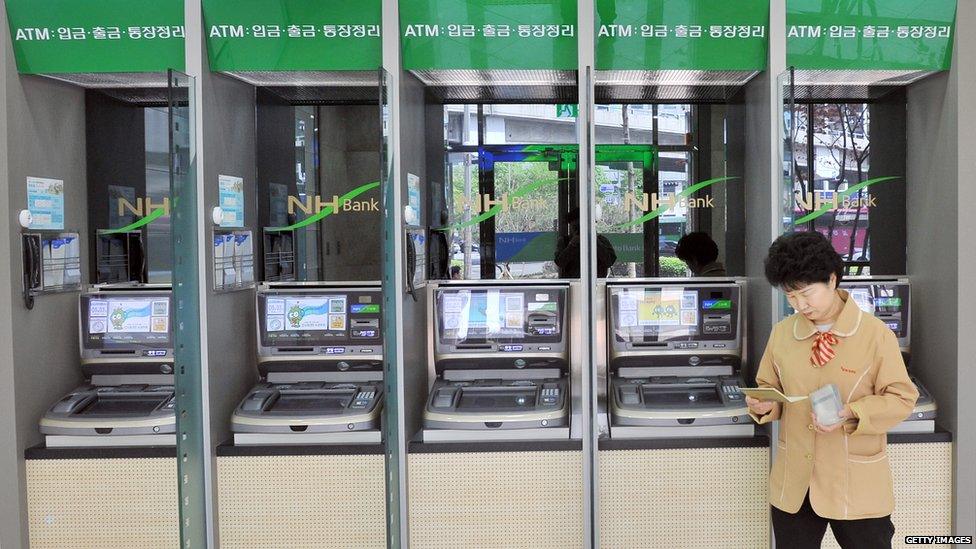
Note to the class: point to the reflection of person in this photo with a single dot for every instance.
(700, 253)
(568, 251)
(455, 272)
(829, 474)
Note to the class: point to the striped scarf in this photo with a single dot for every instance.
(823, 349)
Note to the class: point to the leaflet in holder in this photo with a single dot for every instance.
(500, 327)
(337, 328)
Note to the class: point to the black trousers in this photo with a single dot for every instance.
(805, 530)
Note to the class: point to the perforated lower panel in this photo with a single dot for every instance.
(301, 501)
(498, 500)
(103, 503)
(922, 474)
(704, 497)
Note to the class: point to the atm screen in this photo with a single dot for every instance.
(663, 313)
(887, 301)
(319, 319)
(484, 315)
(126, 322)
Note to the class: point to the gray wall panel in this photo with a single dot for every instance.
(414, 315)
(45, 137)
(228, 146)
(933, 242)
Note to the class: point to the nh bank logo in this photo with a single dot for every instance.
(318, 209)
(146, 208)
(819, 203)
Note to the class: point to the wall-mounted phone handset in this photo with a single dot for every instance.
(32, 267)
(411, 264)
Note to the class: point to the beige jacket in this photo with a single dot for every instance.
(846, 471)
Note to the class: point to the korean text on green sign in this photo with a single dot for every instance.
(293, 35)
(75, 36)
(718, 35)
(488, 34)
(870, 34)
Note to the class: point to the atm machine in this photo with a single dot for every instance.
(127, 357)
(889, 299)
(500, 362)
(320, 358)
(675, 355)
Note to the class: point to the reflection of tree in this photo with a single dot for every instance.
(841, 131)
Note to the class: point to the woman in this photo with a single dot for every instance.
(838, 474)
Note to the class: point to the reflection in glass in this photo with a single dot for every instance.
(832, 145)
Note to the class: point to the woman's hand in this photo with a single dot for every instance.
(759, 407)
(844, 414)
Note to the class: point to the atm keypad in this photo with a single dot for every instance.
(549, 396)
(363, 399)
(732, 392)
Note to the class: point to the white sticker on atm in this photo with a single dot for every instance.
(98, 307)
(542, 297)
(159, 324)
(97, 326)
(275, 323)
(276, 307)
(453, 304)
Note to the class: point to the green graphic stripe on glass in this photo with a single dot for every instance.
(870, 34)
(69, 36)
(488, 34)
(327, 211)
(293, 35)
(683, 194)
(497, 209)
(153, 216)
(712, 35)
(841, 196)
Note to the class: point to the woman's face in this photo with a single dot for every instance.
(814, 301)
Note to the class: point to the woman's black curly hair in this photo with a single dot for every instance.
(798, 259)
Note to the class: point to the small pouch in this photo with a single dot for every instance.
(827, 405)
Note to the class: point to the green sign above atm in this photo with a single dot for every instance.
(488, 34)
(82, 36)
(293, 35)
(713, 35)
(913, 35)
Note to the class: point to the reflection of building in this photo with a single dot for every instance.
(542, 124)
